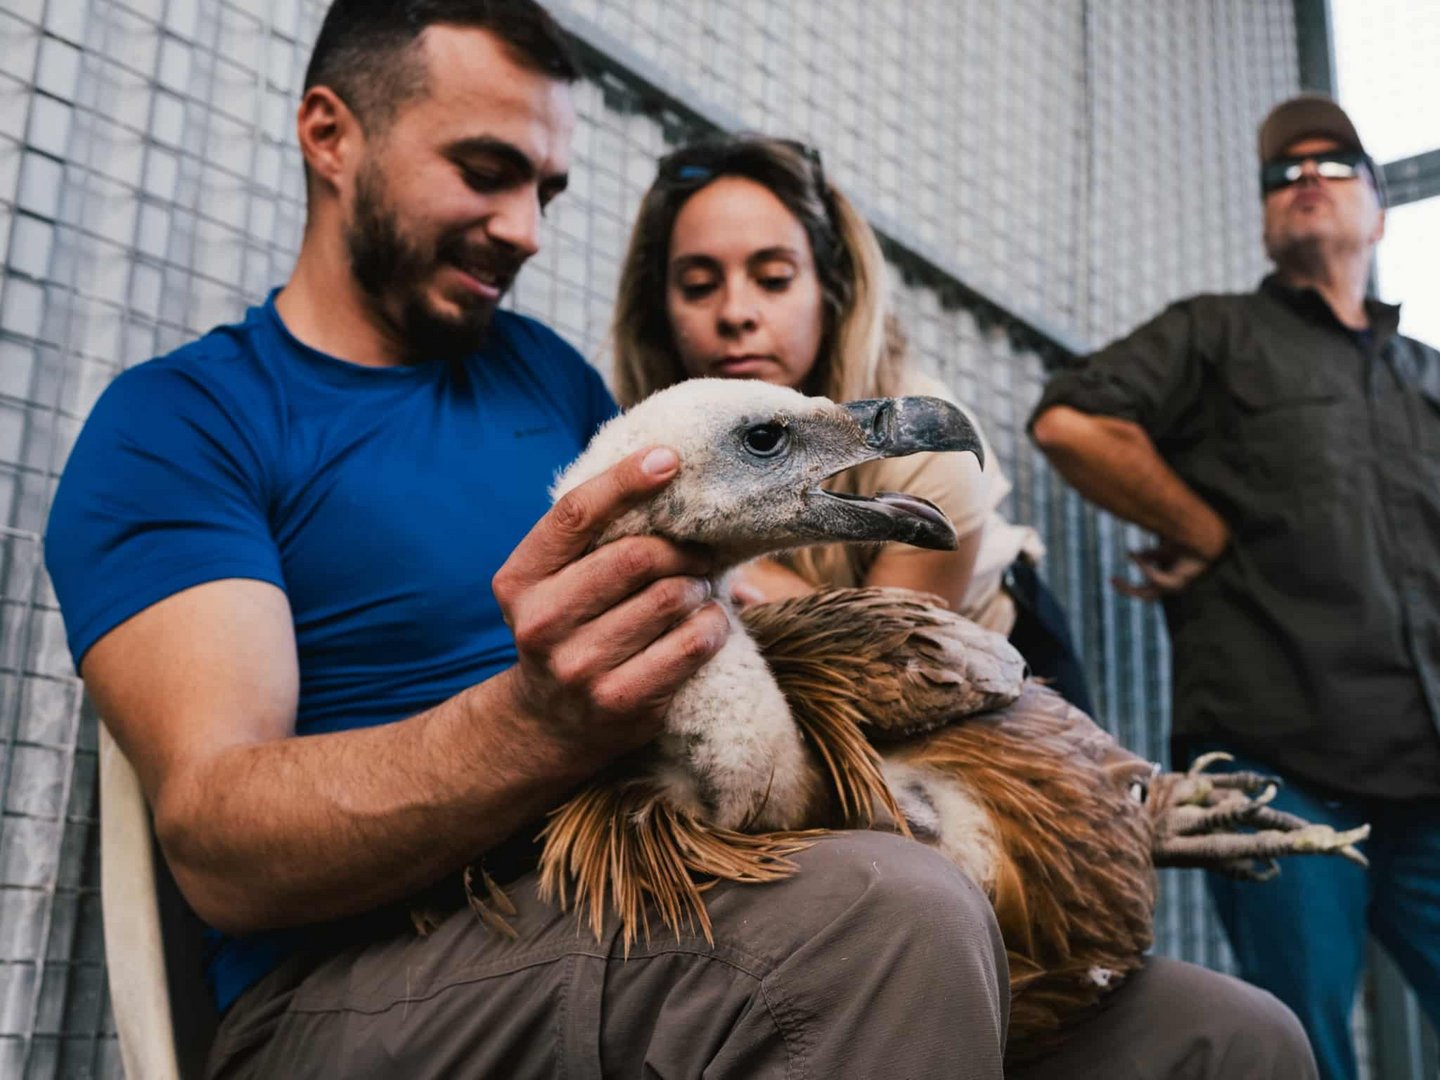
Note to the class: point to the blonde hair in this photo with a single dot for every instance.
(862, 351)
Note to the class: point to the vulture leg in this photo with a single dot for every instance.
(1232, 810)
(1228, 847)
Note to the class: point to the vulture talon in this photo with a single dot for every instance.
(488, 915)
(497, 895)
(1243, 780)
(1204, 761)
(1352, 854)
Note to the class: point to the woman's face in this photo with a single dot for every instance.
(741, 290)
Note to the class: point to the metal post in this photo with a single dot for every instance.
(1315, 45)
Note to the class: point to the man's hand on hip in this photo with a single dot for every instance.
(1167, 569)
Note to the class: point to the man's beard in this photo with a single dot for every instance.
(394, 271)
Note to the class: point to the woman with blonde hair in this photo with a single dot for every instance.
(767, 271)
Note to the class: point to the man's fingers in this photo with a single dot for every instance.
(612, 639)
(553, 609)
(647, 681)
(1133, 590)
(581, 515)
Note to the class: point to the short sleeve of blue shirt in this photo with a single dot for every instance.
(381, 500)
(163, 490)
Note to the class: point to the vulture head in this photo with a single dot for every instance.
(753, 458)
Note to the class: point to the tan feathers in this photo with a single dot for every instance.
(905, 661)
(1073, 885)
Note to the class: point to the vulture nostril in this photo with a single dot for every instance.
(881, 428)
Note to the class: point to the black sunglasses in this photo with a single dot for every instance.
(1329, 164)
(701, 162)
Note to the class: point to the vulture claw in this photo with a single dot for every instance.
(1204, 761)
(496, 896)
(1352, 854)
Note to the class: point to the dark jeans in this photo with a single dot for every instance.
(1042, 634)
(1302, 935)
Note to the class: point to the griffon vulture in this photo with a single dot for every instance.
(876, 707)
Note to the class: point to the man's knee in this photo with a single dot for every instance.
(1237, 1029)
(1256, 1026)
(1172, 1019)
(886, 897)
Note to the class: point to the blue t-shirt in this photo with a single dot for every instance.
(381, 500)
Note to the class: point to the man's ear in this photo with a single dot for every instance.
(330, 136)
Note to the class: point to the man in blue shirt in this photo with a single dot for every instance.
(312, 583)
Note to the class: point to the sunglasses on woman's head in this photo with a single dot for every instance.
(1329, 164)
(701, 162)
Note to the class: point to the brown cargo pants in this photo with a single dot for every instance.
(878, 959)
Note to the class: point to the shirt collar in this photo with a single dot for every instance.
(1308, 303)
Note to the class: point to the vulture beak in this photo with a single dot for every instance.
(895, 427)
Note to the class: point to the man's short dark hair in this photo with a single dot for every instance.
(366, 49)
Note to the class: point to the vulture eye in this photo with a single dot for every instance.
(1139, 791)
(766, 440)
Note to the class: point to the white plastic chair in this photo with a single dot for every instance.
(162, 1010)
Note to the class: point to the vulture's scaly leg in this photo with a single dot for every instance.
(1231, 811)
(1227, 847)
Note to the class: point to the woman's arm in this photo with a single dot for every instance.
(944, 573)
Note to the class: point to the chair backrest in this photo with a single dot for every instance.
(154, 943)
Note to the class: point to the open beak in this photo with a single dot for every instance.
(895, 427)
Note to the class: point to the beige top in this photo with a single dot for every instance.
(969, 496)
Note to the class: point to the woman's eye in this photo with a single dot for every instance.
(696, 290)
(766, 440)
(775, 284)
(1139, 792)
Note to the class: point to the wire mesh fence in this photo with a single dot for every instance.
(1048, 174)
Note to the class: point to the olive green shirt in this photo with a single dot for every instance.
(1313, 643)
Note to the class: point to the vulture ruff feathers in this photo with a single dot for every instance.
(620, 845)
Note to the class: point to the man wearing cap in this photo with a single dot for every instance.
(1283, 446)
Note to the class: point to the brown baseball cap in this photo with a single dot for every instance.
(1306, 116)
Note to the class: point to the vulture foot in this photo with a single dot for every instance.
(619, 844)
(1199, 817)
(1251, 855)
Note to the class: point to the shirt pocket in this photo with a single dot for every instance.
(1288, 429)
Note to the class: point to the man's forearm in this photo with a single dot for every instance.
(300, 830)
(1114, 464)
